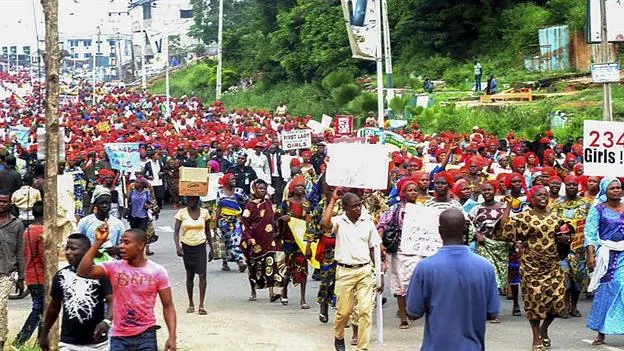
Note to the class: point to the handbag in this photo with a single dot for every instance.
(218, 246)
(392, 234)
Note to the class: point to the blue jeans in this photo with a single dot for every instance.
(145, 341)
(478, 83)
(34, 318)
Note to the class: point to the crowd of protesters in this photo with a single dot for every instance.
(528, 210)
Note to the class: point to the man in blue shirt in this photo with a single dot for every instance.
(457, 291)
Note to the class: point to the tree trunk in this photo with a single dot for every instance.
(52, 233)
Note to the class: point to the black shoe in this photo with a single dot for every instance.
(339, 345)
(383, 301)
(316, 275)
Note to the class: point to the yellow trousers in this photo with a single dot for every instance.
(358, 283)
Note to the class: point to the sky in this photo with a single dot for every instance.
(77, 18)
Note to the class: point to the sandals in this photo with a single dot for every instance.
(546, 342)
(598, 341)
(190, 310)
(202, 311)
(253, 298)
(495, 320)
(323, 318)
(242, 267)
(538, 348)
(305, 306)
(516, 311)
(404, 325)
(275, 297)
(576, 313)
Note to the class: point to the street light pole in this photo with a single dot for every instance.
(143, 73)
(166, 55)
(379, 59)
(219, 53)
(607, 106)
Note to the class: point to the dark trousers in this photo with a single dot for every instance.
(478, 83)
(145, 341)
(159, 191)
(278, 184)
(140, 223)
(34, 318)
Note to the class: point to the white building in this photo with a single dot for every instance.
(157, 19)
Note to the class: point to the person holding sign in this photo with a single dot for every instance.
(545, 238)
(604, 240)
(296, 206)
(390, 227)
(356, 237)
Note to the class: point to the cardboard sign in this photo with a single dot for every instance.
(213, 187)
(354, 165)
(296, 139)
(344, 125)
(603, 148)
(420, 235)
(193, 181)
(316, 126)
(124, 157)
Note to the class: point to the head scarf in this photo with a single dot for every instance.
(532, 192)
(555, 178)
(604, 184)
(518, 161)
(254, 187)
(446, 175)
(214, 166)
(570, 178)
(402, 185)
(578, 168)
(457, 187)
(225, 179)
(493, 183)
(548, 152)
(510, 176)
(297, 180)
(584, 179)
(526, 157)
(106, 173)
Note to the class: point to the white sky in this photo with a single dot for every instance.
(17, 21)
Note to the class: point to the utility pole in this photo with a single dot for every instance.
(166, 56)
(219, 53)
(387, 50)
(607, 106)
(142, 43)
(379, 59)
(52, 233)
(97, 48)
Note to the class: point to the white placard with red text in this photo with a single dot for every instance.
(603, 148)
(296, 139)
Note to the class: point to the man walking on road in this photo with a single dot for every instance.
(12, 259)
(356, 237)
(136, 281)
(85, 324)
(456, 289)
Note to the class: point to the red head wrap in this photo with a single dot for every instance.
(457, 187)
(403, 183)
(554, 179)
(297, 180)
(446, 175)
(225, 179)
(526, 157)
(578, 169)
(518, 161)
(511, 176)
(571, 178)
(532, 192)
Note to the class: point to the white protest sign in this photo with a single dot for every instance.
(316, 126)
(213, 187)
(326, 121)
(296, 139)
(124, 157)
(603, 148)
(362, 166)
(41, 144)
(420, 235)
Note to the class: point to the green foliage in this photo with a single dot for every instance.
(199, 79)
(521, 25)
(364, 103)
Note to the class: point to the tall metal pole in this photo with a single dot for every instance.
(607, 106)
(379, 59)
(166, 55)
(51, 230)
(96, 47)
(219, 53)
(387, 50)
(142, 43)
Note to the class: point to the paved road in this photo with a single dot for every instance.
(233, 323)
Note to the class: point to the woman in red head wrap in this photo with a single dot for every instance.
(590, 185)
(549, 158)
(475, 176)
(413, 165)
(485, 216)
(578, 169)
(228, 217)
(390, 227)
(568, 165)
(423, 181)
(554, 187)
(531, 160)
(518, 164)
(543, 287)
(295, 207)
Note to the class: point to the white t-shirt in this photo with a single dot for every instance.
(354, 240)
(156, 181)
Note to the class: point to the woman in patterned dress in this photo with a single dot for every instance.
(296, 206)
(260, 243)
(515, 184)
(484, 216)
(402, 265)
(230, 201)
(604, 240)
(574, 209)
(173, 178)
(543, 279)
